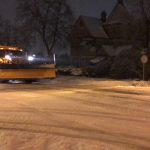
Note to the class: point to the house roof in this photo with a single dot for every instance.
(94, 27)
(119, 14)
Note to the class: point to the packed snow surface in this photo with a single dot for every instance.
(75, 113)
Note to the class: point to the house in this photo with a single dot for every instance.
(105, 36)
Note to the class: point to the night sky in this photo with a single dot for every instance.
(7, 8)
(80, 7)
(92, 7)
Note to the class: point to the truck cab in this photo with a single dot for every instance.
(12, 55)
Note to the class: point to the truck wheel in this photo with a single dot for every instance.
(4, 81)
(28, 81)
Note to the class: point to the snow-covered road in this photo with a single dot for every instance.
(71, 113)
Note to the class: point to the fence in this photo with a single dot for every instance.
(74, 61)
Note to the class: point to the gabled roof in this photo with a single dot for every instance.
(119, 14)
(94, 27)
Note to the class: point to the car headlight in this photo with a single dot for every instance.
(30, 58)
(8, 57)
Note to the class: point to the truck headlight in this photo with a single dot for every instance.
(8, 57)
(30, 58)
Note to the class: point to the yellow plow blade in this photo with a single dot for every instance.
(32, 73)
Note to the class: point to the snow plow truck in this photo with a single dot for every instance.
(15, 64)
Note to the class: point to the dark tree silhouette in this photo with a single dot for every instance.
(142, 13)
(48, 18)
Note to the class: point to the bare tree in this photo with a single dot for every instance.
(6, 32)
(14, 35)
(48, 18)
(23, 37)
(142, 23)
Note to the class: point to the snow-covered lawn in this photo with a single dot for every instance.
(75, 113)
